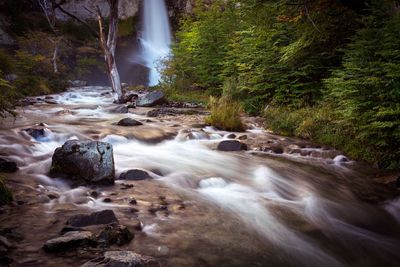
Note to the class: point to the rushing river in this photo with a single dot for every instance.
(225, 208)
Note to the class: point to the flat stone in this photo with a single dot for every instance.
(135, 175)
(123, 259)
(231, 145)
(129, 122)
(96, 218)
(70, 240)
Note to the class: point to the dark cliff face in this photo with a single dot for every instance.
(176, 9)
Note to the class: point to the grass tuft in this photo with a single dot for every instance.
(225, 114)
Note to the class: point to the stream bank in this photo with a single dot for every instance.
(281, 202)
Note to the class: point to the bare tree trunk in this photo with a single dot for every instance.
(109, 48)
(55, 57)
(51, 19)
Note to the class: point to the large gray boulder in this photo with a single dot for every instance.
(122, 259)
(70, 240)
(151, 99)
(89, 162)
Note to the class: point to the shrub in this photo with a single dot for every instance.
(225, 114)
(7, 98)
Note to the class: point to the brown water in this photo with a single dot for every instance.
(223, 209)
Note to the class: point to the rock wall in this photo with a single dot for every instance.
(84, 9)
(127, 8)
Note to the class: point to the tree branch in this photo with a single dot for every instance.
(58, 5)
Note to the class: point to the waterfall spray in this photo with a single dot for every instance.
(156, 37)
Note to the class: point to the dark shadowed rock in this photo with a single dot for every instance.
(231, 136)
(7, 166)
(38, 131)
(151, 99)
(130, 96)
(91, 162)
(115, 234)
(25, 102)
(70, 240)
(134, 175)
(95, 218)
(129, 122)
(120, 109)
(50, 101)
(123, 259)
(231, 145)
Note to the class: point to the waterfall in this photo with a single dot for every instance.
(156, 37)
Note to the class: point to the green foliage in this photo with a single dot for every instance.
(126, 27)
(85, 65)
(269, 48)
(366, 90)
(225, 114)
(77, 32)
(5, 62)
(6, 195)
(8, 96)
(34, 66)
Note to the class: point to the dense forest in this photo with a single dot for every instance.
(325, 70)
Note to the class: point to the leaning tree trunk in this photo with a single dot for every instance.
(109, 48)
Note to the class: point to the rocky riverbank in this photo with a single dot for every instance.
(155, 186)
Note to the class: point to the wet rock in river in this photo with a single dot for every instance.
(38, 131)
(231, 136)
(120, 109)
(130, 97)
(70, 240)
(91, 162)
(151, 99)
(274, 149)
(107, 200)
(7, 166)
(122, 258)
(50, 101)
(115, 234)
(129, 122)
(134, 175)
(231, 145)
(96, 218)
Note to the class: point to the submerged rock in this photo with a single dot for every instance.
(70, 240)
(134, 175)
(151, 99)
(96, 218)
(38, 131)
(91, 162)
(129, 122)
(231, 145)
(115, 234)
(122, 258)
(120, 109)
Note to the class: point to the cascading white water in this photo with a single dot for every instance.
(156, 38)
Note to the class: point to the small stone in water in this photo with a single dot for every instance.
(94, 194)
(107, 200)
